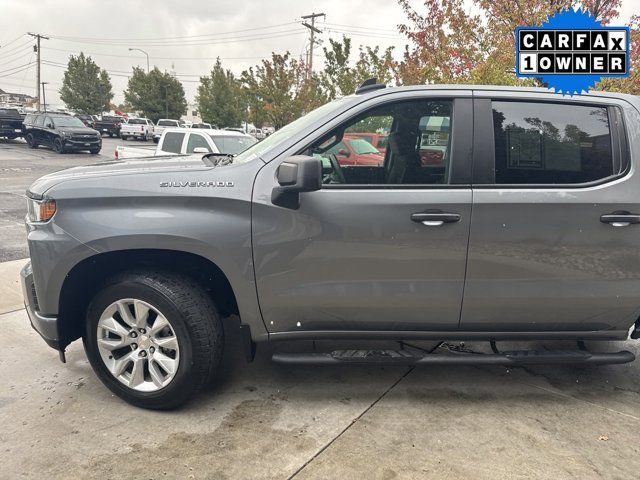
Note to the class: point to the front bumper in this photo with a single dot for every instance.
(46, 326)
(70, 144)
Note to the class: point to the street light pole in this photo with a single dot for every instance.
(44, 97)
(140, 50)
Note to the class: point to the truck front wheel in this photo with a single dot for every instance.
(153, 339)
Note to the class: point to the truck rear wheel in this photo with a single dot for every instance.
(153, 339)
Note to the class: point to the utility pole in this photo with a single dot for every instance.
(36, 48)
(44, 96)
(166, 102)
(312, 31)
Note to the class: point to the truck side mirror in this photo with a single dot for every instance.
(201, 150)
(296, 174)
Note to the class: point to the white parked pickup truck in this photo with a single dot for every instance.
(163, 124)
(141, 128)
(188, 141)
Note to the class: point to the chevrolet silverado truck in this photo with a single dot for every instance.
(528, 229)
(137, 128)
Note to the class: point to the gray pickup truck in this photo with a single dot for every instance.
(496, 214)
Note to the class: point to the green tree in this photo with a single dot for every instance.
(86, 88)
(155, 94)
(220, 98)
(339, 78)
(279, 90)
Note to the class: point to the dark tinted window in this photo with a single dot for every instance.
(546, 143)
(173, 142)
(9, 112)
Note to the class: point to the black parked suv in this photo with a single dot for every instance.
(63, 133)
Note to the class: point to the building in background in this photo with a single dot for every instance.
(16, 99)
(192, 115)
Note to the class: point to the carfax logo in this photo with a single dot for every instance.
(572, 51)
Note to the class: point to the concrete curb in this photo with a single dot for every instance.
(10, 289)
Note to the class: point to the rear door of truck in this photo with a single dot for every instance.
(554, 232)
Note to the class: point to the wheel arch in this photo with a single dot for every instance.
(81, 283)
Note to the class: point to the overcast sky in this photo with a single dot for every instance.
(240, 33)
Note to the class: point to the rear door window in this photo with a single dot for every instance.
(550, 143)
(39, 121)
(173, 142)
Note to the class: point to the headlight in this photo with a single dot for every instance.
(64, 134)
(41, 211)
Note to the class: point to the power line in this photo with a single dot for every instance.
(17, 56)
(216, 41)
(217, 34)
(7, 52)
(356, 27)
(17, 72)
(4, 45)
(15, 68)
(157, 58)
(361, 34)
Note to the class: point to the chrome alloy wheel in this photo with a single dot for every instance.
(138, 345)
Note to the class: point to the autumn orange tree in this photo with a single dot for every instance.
(279, 90)
(448, 45)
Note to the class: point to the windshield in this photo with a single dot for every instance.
(67, 122)
(360, 146)
(167, 123)
(287, 131)
(232, 144)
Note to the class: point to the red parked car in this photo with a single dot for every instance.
(378, 140)
(356, 151)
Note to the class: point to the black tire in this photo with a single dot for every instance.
(58, 147)
(155, 140)
(31, 142)
(194, 319)
(110, 135)
(123, 137)
(95, 151)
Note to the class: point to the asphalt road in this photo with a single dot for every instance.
(19, 167)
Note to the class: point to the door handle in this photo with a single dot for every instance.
(435, 219)
(620, 219)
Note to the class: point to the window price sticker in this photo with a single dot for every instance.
(572, 51)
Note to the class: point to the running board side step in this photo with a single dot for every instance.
(411, 357)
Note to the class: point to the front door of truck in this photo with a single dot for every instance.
(379, 247)
(553, 244)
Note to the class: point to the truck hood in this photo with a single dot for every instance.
(134, 166)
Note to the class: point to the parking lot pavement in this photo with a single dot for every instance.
(19, 167)
(260, 420)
